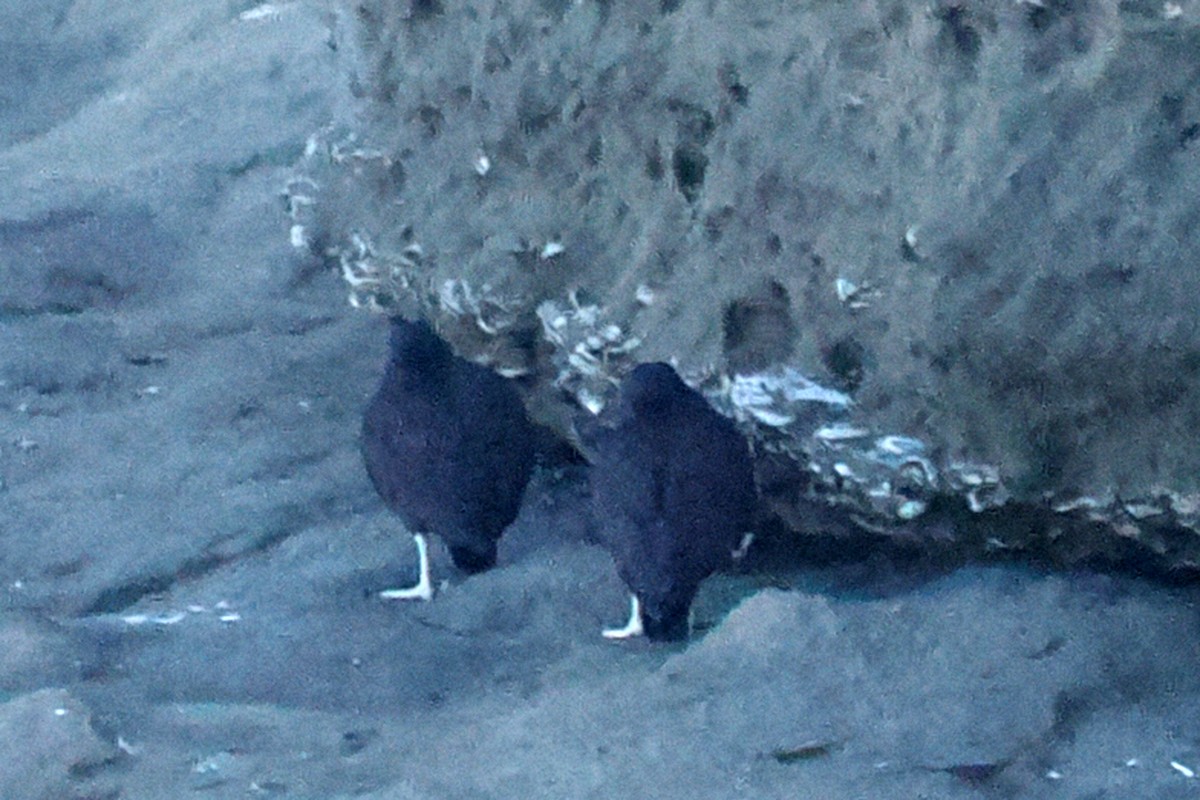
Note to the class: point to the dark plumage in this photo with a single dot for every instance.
(448, 447)
(673, 489)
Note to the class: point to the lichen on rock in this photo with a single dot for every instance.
(973, 221)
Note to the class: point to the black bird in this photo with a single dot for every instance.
(673, 490)
(449, 449)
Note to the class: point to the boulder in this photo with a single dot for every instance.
(934, 259)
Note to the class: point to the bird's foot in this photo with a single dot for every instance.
(743, 548)
(633, 627)
(422, 591)
(424, 588)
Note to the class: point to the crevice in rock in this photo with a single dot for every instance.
(116, 599)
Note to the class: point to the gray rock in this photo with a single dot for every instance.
(49, 746)
(974, 221)
(33, 654)
(179, 457)
(141, 236)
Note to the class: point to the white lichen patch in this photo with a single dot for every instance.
(376, 278)
(481, 164)
(778, 397)
(589, 352)
(298, 237)
(840, 432)
(491, 313)
(853, 295)
(890, 476)
(174, 617)
(551, 249)
(980, 484)
(299, 201)
(265, 12)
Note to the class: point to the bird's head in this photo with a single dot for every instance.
(417, 349)
(651, 390)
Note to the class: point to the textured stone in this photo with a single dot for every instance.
(976, 221)
(49, 745)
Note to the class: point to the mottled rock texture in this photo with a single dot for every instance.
(979, 220)
(52, 748)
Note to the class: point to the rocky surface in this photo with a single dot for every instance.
(51, 746)
(189, 541)
(975, 221)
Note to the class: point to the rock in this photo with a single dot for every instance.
(751, 191)
(49, 745)
(33, 653)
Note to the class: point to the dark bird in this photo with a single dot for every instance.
(673, 490)
(449, 449)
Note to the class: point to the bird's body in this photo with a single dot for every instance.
(448, 447)
(673, 490)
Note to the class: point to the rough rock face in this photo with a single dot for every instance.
(54, 748)
(919, 251)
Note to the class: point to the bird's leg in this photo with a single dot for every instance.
(633, 627)
(424, 588)
(743, 548)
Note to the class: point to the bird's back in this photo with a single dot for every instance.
(674, 490)
(448, 446)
